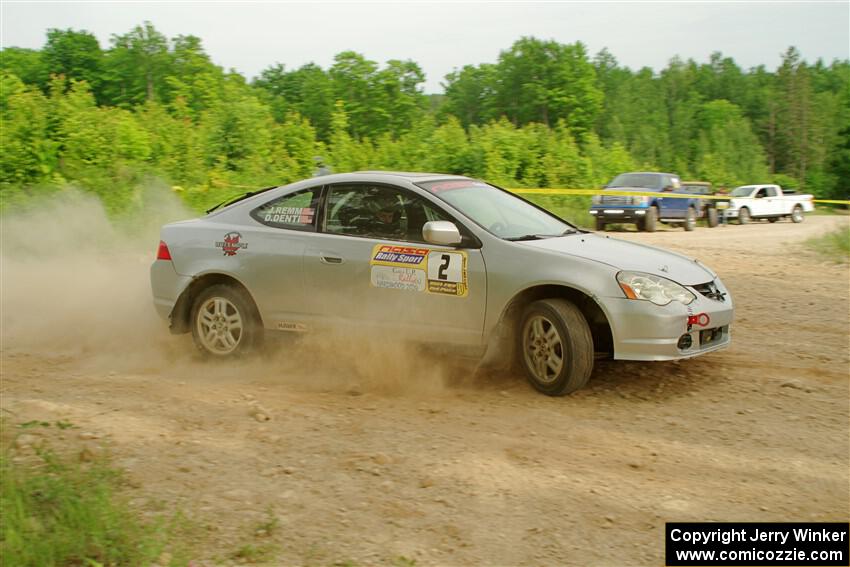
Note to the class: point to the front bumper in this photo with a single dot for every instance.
(619, 213)
(644, 331)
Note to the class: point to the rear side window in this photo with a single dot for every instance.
(296, 211)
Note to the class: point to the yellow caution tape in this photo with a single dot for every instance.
(665, 195)
(553, 191)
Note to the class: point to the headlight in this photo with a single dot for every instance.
(660, 291)
(640, 200)
(596, 199)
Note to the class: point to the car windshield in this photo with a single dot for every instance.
(501, 213)
(742, 192)
(696, 189)
(643, 180)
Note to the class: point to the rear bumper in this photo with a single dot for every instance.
(166, 285)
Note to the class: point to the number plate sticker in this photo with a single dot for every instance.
(447, 273)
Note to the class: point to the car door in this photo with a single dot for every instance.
(762, 204)
(774, 201)
(671, 207)
(273, 271)
(369, 267)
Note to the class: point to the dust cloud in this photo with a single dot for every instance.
(76, 284)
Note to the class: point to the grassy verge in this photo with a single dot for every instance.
(59, 511)
(834, 245)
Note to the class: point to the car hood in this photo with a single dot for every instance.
(631, 256)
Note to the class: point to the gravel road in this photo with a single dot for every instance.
(327, 458)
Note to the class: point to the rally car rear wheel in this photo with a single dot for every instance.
(224, 322)
(555, 346)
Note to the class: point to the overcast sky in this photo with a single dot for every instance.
(440, 36)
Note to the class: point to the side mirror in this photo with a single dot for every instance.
(441, 232)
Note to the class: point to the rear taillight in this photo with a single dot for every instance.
(162, 252)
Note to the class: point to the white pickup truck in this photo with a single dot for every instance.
(767, 202)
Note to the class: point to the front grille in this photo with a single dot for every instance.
(710, 291)
(616, 200)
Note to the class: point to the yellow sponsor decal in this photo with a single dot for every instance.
(411, 268)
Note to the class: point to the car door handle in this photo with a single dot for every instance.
(329, 258)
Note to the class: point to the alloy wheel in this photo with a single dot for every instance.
(543, 348)
(219, 325)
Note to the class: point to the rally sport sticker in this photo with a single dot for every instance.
(419, 269)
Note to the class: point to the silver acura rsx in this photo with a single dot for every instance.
(434, 259)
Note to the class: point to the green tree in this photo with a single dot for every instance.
(191, 76)
(471, 94)
(26, 64)
(75, 55)
(545, 81)
(728, 153)
(448, 150)
(307, 91)
(29, 153)
(136, 66)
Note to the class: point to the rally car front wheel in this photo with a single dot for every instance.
(555, 347)
(224, 322)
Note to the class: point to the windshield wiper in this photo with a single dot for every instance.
(232, 200)
(528, 237)
(571, 231)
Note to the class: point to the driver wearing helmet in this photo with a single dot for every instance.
(387, 216)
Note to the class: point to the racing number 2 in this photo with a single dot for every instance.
(441, 273)
(446, 267)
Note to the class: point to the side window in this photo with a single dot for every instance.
(761, 194)
(296, 211)
(378, 211)
(772, 192)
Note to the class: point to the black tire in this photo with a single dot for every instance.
(570, 343)
(600, 224)
(772, 220)
(797, 214)
(650, 220)
(744, 216)
(215, 314)
(690, 219)
(712, 218)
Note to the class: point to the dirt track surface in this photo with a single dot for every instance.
(391, 461)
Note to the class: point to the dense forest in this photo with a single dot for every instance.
(545, 114)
